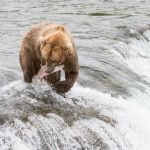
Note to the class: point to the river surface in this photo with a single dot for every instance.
(109, 106)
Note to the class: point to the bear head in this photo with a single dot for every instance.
(55, 48)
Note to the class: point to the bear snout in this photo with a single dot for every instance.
(51, 68)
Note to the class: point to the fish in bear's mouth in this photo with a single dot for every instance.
(43, 71)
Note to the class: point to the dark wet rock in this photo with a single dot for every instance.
(2, 121)
(100, 14)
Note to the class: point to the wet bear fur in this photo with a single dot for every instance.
(47, 44)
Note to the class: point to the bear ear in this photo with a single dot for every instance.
(42, 40)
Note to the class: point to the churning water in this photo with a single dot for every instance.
(109, 107)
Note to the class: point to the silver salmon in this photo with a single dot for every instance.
(42, 72)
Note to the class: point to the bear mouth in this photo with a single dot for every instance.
(43, 71)
(51, 68)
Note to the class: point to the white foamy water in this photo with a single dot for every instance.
(96, 121)
(140, 60)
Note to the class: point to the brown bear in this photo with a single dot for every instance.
(51, 45)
